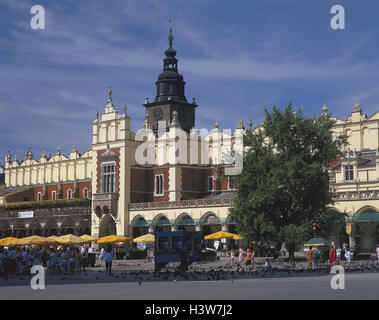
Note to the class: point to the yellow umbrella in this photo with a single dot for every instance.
(88, 238)
(70, 239)
(7, 241)
(33, 241)
(145, 238)
(222, 235)
(112, 239)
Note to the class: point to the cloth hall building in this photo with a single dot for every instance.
(104, 190)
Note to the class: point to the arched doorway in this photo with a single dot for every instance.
(35, 228)
(186, 223)
(107, 226)
(364, 227)
(357, 237)
(139, 227)
(84, 228)
(209, 224)
(50, 228)
(19, 229)
(5, 229)
(67, 226)
(162, 224)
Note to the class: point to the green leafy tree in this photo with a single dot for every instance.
(283, 189)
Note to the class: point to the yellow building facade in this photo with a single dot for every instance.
(355, 181)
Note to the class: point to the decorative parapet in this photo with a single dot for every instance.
(196, 203)
(356, 195)
(60, 203)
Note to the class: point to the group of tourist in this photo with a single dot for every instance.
(335, 256)
(249, 255)
(18, 261)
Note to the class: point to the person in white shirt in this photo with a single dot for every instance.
(348, 256)
(338, 254)
(377, 252)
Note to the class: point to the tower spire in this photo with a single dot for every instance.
(170, 37)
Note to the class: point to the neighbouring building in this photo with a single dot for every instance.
(106, 191)
(2, 176)
(355, 182)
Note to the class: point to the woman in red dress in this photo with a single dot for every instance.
(332, 255)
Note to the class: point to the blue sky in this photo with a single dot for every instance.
(236, 57)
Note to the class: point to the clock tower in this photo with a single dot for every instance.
(170, 95)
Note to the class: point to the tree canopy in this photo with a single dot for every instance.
(283, 189)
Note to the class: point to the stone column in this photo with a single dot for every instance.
(351, 241)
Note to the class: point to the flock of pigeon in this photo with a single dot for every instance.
(198, 272)
(228, 272)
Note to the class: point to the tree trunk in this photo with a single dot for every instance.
(291, 251)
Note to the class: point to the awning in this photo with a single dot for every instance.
(334, 218)
(112, 239)
(186, 221)
(139, 223)
(145, 238)
(210, 220)
(366, 217)
(163, 222)
(222, 235)
(316, 242)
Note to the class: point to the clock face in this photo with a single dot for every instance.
(158, 113)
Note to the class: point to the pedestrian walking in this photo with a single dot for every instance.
(267, 265)
(348, 256)
(315, 257)
(108, 258)
(338, 256)
(241, 256)
(232, 256)
(12, 260)
(3, 262)
(249, 257)
(332, 255)
(309, 256)
(101, 257)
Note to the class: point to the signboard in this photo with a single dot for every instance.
(25, 214)
(216, 244)
(141, 245)
(223, 240)
(348, 228)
